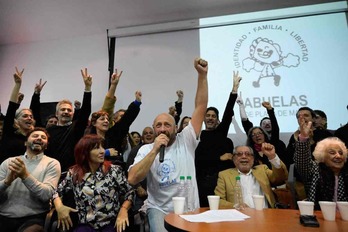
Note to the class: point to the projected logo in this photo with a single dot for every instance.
(263, 55)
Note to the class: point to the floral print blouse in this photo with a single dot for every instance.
(98, 196)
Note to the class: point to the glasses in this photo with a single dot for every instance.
(241, 153)
(256, 134)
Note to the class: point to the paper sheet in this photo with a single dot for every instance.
(216, 216)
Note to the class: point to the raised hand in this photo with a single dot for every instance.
(115, 77)
(20, 98)
(39, 86)
(306, 129)
(236, 81)
(138, 96)
(201, 66)
(180, 95)
(267, 105)
(18, 76)
(268, 150)
(87, 79)
(77, 104)
(240, 99)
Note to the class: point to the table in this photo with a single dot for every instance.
(267, 220)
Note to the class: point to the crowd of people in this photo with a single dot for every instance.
(98, 175)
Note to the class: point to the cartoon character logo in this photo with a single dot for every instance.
(164, 170)
(265, 56)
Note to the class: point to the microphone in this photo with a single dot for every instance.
(161, 158)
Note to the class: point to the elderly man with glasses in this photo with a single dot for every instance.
(255, 180)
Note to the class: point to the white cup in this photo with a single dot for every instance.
(259, 201)
(306, 207)
(179, 204)
(343, 208)
(213, 202)
(328, 208)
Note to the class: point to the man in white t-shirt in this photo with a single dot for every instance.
(163, 178)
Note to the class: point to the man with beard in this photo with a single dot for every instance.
(27, 184)
(163, 177)
(214, 151)
(68, 132)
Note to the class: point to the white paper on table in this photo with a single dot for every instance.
(216, 216)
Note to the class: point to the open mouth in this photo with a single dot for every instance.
(210, 123)
(38, 142)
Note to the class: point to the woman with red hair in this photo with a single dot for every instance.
(98, 188)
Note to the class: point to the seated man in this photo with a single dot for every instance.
(27, 184)
(254, 180)
(326, 176)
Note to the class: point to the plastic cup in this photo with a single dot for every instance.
(328, 208)
(179, 204)
(306, 207)
(343, 208)
(259, 201)
(213, 202)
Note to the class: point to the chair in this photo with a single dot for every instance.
(291, 184)
(141, 221)
(51, 222)
(287, 197)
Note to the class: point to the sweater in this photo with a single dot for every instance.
(32, 195)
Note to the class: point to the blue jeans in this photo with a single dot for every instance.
(156, 220)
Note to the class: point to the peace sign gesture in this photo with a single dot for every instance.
(236, 81)
(87, 79)
(18, 76)
(39, 86)
(115, 77)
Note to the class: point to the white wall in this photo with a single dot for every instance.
(59, 63)
(158, 65)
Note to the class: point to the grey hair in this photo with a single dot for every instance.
(64, 101)
(19, 112)
(236, 147)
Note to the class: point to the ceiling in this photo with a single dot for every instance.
(25, 21)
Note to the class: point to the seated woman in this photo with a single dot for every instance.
(327, 176)
(98, 188)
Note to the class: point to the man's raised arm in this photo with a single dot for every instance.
(201, 100)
